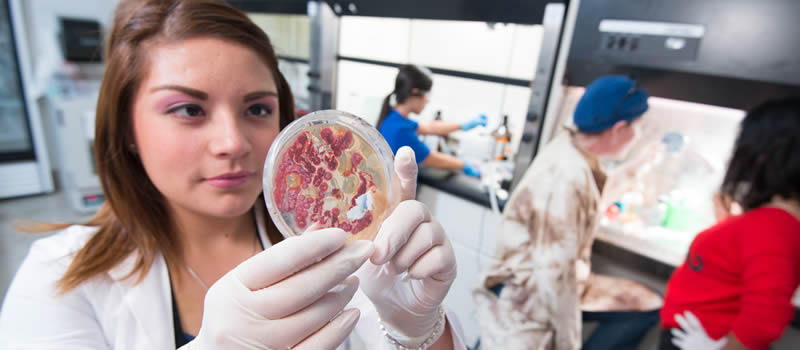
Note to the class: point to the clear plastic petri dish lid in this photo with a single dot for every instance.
(329, 169)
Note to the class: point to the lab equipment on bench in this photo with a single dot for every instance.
(73, 120)
(502, 138)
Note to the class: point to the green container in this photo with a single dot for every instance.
(679, 216)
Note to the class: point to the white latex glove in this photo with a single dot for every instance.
(413, 265)
(692, 335)
(288, 296)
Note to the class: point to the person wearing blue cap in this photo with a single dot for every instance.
(410, 93)
(539, 288)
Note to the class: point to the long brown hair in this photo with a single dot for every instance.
(134, 218)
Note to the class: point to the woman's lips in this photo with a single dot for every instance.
(230, 180)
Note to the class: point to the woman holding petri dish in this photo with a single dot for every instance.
(411, 89)
(183, 253)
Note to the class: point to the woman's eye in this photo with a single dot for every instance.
(259, 110)
(186, 111)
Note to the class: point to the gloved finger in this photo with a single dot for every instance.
(692, 320)
(684, 323)
(314, 226)
(438, 263)
(332, 334)
(678, 334)
(426, 236)
(296, 327)
(405, 168)
(680, 343)
(289, 256)
(306, 286)
(397, 228)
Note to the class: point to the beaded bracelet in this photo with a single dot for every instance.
(438, 329)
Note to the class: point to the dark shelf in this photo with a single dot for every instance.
(459, 185)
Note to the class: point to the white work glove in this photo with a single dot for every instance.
(692, 335)
(413, 265)
(289, 296)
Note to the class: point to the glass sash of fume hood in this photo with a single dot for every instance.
(15, 136)
(660, 197)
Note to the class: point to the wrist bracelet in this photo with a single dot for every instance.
(438, 329)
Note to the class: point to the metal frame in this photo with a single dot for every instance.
(448, 72)
(39, 167)
(541, 86)
(29, 155)
(322, 57)
(557, 86)
(293, 59)
(506, 11)
(296, 7)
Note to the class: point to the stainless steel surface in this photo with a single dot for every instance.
(324, 46)
(42, 181)
(14, 131)
(540, 86)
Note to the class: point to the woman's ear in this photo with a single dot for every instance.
(618, 128)
(613, 133)
(619, 125)
(414, 92)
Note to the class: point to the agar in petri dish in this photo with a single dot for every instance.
(329, 169)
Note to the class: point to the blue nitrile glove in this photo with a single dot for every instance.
(480, 120)
(471, 170)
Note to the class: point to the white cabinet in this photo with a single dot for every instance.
(471, 228)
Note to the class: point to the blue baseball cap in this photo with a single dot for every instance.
(607, 101)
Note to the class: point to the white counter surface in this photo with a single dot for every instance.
(660, 244)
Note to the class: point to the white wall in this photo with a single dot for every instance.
(506, 50)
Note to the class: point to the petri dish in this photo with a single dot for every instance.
(329, 169)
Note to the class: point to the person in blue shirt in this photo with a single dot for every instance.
(411, 90)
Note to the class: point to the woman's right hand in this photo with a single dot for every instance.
(290, 296)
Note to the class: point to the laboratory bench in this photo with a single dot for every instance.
(457, 200)
(457, 184)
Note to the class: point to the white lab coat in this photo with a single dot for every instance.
(109, 312)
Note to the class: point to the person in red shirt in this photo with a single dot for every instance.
(734, 290)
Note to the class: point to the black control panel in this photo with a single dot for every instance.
(733, 53)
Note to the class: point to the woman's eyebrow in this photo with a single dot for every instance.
(259, 94)
(189, 91)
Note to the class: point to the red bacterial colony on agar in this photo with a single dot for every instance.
(322, 176)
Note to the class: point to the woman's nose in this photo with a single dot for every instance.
(229, 139)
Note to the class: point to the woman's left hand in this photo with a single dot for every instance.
(692, 335)
(480, 120)
(413, 265)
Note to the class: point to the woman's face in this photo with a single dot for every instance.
(203, 118)
(622, 138)
(418, 103)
